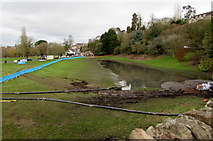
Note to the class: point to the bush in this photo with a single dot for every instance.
(117, 51)
(179, 21)
(180, 54)
(206, 65)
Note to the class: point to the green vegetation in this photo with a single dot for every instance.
(174, 37)
(51, 120)
(164, 62)
(59, 76)
(11, 59)
(9, 68)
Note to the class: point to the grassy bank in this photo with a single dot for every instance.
(9, 68)
(50, 120)
(59, 76)
(167, 62)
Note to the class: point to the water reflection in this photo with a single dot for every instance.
(133, 76)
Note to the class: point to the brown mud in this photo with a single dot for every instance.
(121, 98)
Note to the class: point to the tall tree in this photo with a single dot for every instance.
(139, 24)
(189, 11)
(68, 42)
(42, 46)
(134, 21)
(109, 41)
(25, 44)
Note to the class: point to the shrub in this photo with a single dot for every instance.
(206, 65)
(180, 54)
(116, 50)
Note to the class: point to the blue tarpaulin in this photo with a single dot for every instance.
(14, 75)
(22, 62)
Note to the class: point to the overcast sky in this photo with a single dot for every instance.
(53, 21)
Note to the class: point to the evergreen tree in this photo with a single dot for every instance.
(109, 42)
(134, 22)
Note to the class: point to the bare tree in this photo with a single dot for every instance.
(68, 42)
(25, 43)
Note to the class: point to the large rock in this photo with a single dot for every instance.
(155, 133)
(199, 129)
(140, 134)
(193, 125)
(175, 130)
(183, 127)
(205, 115)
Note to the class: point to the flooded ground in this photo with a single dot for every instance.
(134, 76)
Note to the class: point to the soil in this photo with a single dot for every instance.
(121, 98)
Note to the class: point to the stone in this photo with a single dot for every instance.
(140, 134)
(205, 115)
(199, 129)
(172, 129)
(155, 133)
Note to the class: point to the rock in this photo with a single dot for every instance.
(155, 133)
(175, 130)
(199, 129)
(205, 115)
(140, 134)
(193, 125)
(183, 127)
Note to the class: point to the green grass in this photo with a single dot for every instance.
(9, 68)
(167, 62)
(51, 120)
(57, 75)
(17, 58)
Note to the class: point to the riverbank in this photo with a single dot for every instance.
(167, 62)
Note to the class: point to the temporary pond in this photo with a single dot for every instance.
(133, 76)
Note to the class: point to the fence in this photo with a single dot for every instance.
(14, 75)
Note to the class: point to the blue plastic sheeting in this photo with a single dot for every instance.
(14, 75)
(21, 62)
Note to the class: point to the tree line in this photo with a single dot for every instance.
(166, 36)
(26, 47)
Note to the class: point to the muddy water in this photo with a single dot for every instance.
(134, 76)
